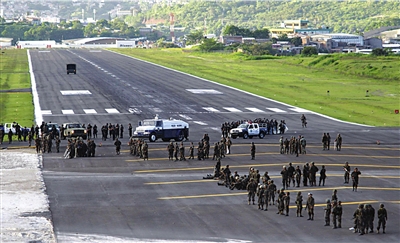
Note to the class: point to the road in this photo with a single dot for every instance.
(134, 200)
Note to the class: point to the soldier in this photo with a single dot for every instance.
(339, 214)
(10, 135)
(303, 121)
(310, 206)
(291, 170)
(266, 195)
(216, 151)
(227, 173)
(121, 131)
(286, 200)
(281, 147)
(95, 131)
(49, 143)
(272, 191)
(297, 173)
(370, 213)
(324, 141)
(286, 145)
(206, 148)
(299, 204)
(338, 142)
(89, 131)
(130, 130)
(334, 196)
(355, 176)
(176, 151)
(182, 152)
(145, 149)
(92, 147)
(322, 176)
(228, 145)
(30, 138)
(313, 174)
(116, 130)
(285, 176)
(261, 194)
(382, 218)
(346, 169)
(170, 149)
(306, 169)
(361, 219)
(328, 211)
(334, 213)
(253, 151)
(328, 140)
(38, 144)
(217, 169)
(58, 141)
(303, 144)
(117, 144)
(191, 151)
(281, 203)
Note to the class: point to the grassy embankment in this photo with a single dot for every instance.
(301, 81)
(14, 75)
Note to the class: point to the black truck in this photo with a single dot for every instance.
(71, 68)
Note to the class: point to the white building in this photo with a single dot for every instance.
(340, 37)
(36, 44)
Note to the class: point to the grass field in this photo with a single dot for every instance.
(362, 89)
(14, 75)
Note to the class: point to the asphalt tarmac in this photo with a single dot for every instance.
(123, 196)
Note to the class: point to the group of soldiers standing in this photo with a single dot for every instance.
(138, 148)
(364, 217)
(293, 146)
(326, 142)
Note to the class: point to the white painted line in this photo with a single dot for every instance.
(210, 109)
(67, 112)
(275, 109)
(90, 111)
(94, 51)
(254, 109)
(204, 91)
(232, 109)
(185, 117)
(299, 110)
(36, 103)
(200, 123)
(112, 110)
(75, 92)
(46, 112)
(155, 109)
(44, 51)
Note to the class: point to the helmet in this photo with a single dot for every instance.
(328, 201)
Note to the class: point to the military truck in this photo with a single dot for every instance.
(71, 68)
(166, 129)
(73, 129)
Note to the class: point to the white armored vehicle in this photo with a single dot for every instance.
(166, 129)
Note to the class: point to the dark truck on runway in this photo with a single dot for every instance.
(71, 68)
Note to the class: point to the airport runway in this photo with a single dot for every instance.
(130, 199)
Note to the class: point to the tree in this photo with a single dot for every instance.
(210, 45)
(296, 41)
(309, 51)
(379, 52)
(194, 37)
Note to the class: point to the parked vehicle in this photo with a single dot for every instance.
(248, 130)
(71, 68)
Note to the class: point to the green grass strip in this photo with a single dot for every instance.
(299, 81)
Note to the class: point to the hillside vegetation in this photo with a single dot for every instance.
(351, 16)
(301, 81)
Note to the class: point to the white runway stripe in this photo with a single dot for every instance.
(185, 117)
(112, 110)
(276, 110)
(46, 112)
(200, 123)
(232, 109)
(210, 109)
(90, 111)
(67, 112)
(254, 109)
(300, 110)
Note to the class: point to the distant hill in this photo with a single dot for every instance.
(351, 16)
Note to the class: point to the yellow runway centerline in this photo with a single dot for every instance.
(267, 165)
(308, 189)
(272, 177)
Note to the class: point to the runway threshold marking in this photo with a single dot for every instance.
(264, 165)
(302, 190)
(272, 177)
